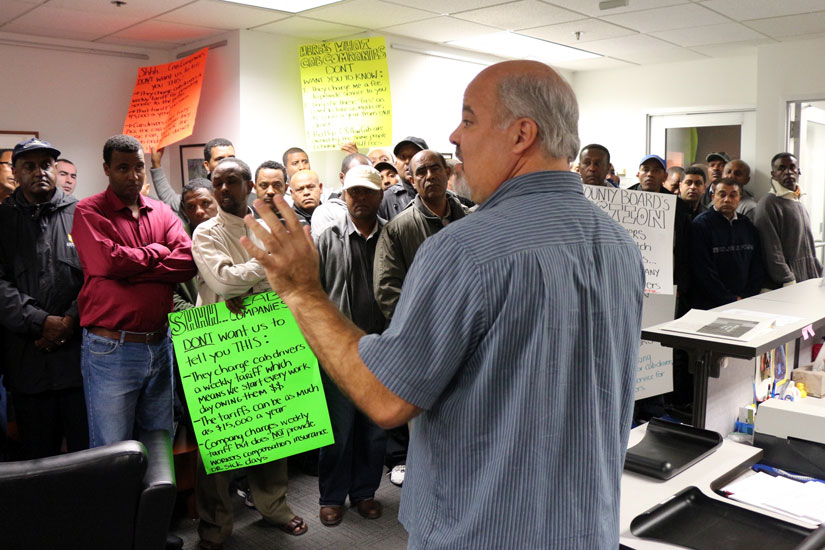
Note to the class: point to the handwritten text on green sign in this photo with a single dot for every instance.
(251, 383)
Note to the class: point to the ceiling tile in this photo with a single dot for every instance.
(173, 33)
(712, 34)
(591, 7)
(370, 14)
(733, 49)
(617, 47)
(742, 10)
(220, 15)
(65, 23)
(439, 29)
(673, 54)
(15, 8)
(596, 64)
(518, 15)
(803, 37)
(141, 9)
(308, 28)
(591, 29)
(662, 19)
(445, 8)
(791, 25)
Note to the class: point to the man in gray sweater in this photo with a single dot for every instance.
(785, 228)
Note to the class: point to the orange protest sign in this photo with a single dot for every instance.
(165, 101)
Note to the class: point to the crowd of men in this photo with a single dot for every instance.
(470, 331)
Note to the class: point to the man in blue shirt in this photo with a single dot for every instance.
(514, 341)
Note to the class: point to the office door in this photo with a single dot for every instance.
(687, 138)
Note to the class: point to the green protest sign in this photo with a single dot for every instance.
(251, 382)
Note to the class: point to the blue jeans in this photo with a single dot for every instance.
(128, 388)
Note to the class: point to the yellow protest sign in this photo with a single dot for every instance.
(346, 92)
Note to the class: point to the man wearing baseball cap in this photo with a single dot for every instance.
(716, 168)
(397, 197)
(40, 278)
(652, 175)
(389, 174)
(353, 465)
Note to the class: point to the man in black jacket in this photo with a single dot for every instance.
(725, 253)
(40, 278)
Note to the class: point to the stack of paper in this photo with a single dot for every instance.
(801, 500)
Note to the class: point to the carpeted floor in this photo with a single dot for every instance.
(354, 533)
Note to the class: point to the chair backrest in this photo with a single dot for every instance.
(87, 499)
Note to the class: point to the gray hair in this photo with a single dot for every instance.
(550, 102)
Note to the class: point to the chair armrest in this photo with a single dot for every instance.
(814, 541)
(158, 497)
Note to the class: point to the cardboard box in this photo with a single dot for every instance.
(814, 381)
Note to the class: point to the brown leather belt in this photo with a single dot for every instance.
(126, 336)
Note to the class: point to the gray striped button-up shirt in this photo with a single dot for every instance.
(518, 333)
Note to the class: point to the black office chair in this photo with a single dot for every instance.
(116, 497)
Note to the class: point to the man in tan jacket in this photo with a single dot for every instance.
(227, 271)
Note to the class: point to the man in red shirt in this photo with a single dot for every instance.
(133, 249)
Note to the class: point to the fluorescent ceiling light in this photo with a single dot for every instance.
(290, 6)
(518, 46)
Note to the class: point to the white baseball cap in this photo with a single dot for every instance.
(363, 176)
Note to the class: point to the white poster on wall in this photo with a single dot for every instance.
(649, 219)
(654, 373)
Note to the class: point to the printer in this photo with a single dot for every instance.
(792, 435)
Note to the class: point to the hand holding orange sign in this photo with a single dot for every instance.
(165, 101)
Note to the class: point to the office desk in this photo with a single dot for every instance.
(640, 493)
(805, 300)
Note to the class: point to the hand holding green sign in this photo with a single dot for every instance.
(251, 382)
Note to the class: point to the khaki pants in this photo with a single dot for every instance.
(268, 483)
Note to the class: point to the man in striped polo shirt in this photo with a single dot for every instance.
(513, 344)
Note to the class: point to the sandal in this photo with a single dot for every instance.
(296, 527)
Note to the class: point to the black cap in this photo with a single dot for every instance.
(386, 165)
(418, 142)
(718, 155)
(33, 144)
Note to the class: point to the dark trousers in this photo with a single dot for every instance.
(213, 503)
(354, 463)
(43, 419)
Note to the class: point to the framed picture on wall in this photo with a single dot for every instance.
(10, 138)
(191, 163)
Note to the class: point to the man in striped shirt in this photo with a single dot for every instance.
(513, 344)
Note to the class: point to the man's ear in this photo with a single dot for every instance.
(526, 132)
(106, 169)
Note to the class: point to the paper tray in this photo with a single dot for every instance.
(694, 520)
(668, 449)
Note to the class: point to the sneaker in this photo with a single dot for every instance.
(397, 475)
(247, 498)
